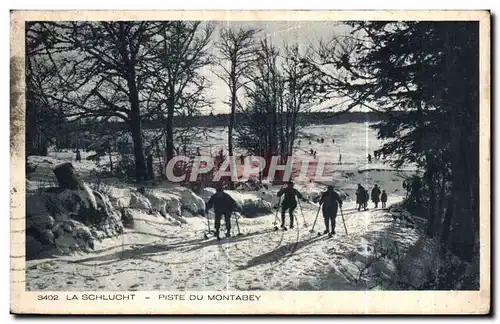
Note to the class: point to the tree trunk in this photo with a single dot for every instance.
(150, 166)
(170, 129)
(67, 177)
(135, 127)
(140, 165)
(231, 116)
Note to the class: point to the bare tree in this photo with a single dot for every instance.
(181, 58)
(237, 49)
(298, 96)
(102, 73)
(261, 128)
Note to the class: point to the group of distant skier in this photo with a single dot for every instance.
(377, 155)
(377, 196)
(329, 201)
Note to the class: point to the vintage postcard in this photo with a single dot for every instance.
(250, 162)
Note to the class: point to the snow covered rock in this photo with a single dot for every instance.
(270, 197)
(138, 201)
(60, 220)
(174, 207)
(30, 186)
(206, 193)
(40, 222)
(253, 208)
(158, 203)
(192, 202)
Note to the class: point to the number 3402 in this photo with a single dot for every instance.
(48, 297)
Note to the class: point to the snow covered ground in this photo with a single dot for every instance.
(156, 255)
(169, 252)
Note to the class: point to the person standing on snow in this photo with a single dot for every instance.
(366, 197)
(383, 199)
(331, 201)
(223, 204)
(78, 155)
(289, 202)
(376, 195)
(361, 197)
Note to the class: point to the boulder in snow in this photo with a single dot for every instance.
(252, 208)
(174, 207)
(138, 201)
(192, 202)
(206, 193)
(40, 222)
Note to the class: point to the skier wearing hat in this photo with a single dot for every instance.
(223, 204)
(289, 202)
(331, 202)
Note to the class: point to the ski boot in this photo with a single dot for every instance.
(217, 235)
(325, 232)
(228, 233)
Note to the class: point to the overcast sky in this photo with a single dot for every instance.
(302, 32)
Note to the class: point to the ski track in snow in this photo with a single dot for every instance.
(164, 257)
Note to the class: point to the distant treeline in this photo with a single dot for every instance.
(220, 120)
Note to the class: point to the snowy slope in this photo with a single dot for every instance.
(170, 252)
(156, 255)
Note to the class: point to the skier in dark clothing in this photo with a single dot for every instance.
(361, 197)
(331, 201)
(383, 199)
(366, 198)
(369, 158)
(78, 156)
(223, 204)
(376, 195)
(289, 202)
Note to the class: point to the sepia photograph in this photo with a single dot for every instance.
(206, 160)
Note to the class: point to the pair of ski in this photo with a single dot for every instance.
(329, 235)
(208, 235)
(284, 228)
(209, 231)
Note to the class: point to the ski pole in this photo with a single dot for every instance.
(343, 220)
(277, 210)
(302, 213)
(237, 225)
(315, 219)
(208, 224)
